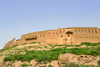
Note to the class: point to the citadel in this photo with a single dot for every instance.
(69, 36)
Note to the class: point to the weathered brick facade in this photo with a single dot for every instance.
(70, 36)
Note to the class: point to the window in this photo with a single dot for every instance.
(82, 31)
(75, 31)
(95, 31)
(79, 31)
(85, 31)
(68, 35)
(56, 32)
(49, 32)
(61, 35)
(89, 31)
(60, 31)
(92, 31)
(53, 33)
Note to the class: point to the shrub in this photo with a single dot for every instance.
(97, 49)
(24, 65)
(85, 43)
(83, 51)
(45, 56)
(98, 63)
(90, 44)
(50, 66)
(7, 59)
(73, 65)
(32, 42)
(94, 53)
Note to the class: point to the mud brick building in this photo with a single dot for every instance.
(70, 36)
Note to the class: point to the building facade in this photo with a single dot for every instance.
(70, 36)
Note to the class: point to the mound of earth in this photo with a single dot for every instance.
(53, 56)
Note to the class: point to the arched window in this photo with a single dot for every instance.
(92, 31)
(89, 31)
(95, 31)
(82, 31)
(79, 31)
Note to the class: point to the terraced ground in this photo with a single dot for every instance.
(36, 54)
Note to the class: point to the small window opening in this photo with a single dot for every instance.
(92, 31)
(75, 31)
(89, 31)
(61, 35)
(82, 31)
(95, 31)
(68, 35)
(79, 31)
(85, 31)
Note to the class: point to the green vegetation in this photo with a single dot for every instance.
(23, 44)
(50, 66)
(7, 48)
(45, 46)
(32, 42)
(4, 49)
(24, 65)
(76, 65)
(45, 56)
(83, 51)
(49, 55)
(90, 44)
(73, 65)
(73, 45)
(10, 64)
(98, 62)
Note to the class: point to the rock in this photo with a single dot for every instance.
(33, 62)
(78, 59)
(54, 63)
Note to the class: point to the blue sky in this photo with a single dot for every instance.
(19, 17)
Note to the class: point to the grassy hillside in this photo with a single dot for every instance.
(47, 52)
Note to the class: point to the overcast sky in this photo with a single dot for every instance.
(18, 17)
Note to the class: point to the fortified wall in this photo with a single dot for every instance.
(70, 36)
